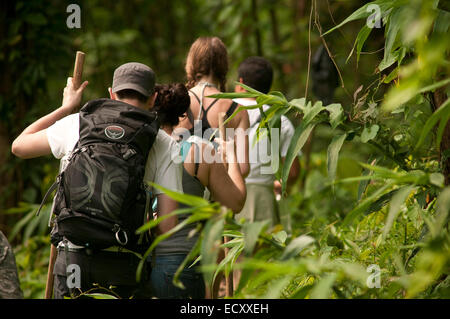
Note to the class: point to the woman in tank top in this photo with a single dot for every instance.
(226, 185)
(206, 70)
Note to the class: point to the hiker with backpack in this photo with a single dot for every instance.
(206, 70)
(226, 186)
(108, 151)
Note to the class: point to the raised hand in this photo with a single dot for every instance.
(72, 97)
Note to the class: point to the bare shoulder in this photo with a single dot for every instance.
(241, 117)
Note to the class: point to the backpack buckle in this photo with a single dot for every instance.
(118, 230)
(129, 153)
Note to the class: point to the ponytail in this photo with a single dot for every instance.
(171, 103)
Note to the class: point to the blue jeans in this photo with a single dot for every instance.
(163, 272)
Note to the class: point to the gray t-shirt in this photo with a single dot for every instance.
(183, 240)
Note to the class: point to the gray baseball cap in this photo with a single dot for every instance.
(135, 76)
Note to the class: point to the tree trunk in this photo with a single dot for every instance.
(257, 32)
(277, 43)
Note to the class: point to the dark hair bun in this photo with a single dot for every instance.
(171, 103)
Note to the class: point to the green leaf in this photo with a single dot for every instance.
(298, 103)
(442, 22)
(20, 225)
(333, 155)
(311, 112)
(275, 288)
(437, 179)
(323, 289)
(195, 251)
(295, 247)
(210, 246)
(441, 113)
(364, 204)
(280, 236)
(393, 27)
(442, 212)
(361, 38)
(398, 96)
(336, 114)
(362, 13)
(369, 133)
(251, 233)
(397, 200)
(441, 128)
(363, 184)
(186, 199)
(154, 222)
(299, 139)
(434, 86)
(391, 76)
(229, 259)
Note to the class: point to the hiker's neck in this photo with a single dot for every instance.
(209, 79)
(167, 128)
(135, 103)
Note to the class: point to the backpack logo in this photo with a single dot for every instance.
(114, 132)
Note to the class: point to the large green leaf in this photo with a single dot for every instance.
(440, 114)
(210, 246)
(323, 289)
(296, 246)
(336, 114)
(299, 139)
(365, 203)
(186, 199)
(363, 12)
(442, 23)
(392, 30)
(397, 200)
(361, 38)
(251, 234)
(333, 154)
(442, 212)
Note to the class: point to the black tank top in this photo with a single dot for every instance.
(204, 119)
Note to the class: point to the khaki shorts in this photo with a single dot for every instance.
(260, 204)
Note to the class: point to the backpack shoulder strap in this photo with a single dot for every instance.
(50, 190)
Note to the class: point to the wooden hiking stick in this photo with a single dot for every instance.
(76, 81)
(228, 279)
(78, 69)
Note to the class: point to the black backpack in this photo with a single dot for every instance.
(101, 198)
